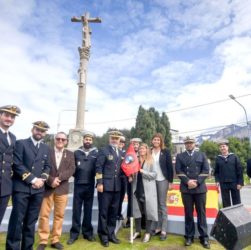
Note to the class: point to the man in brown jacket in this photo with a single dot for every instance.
(56, 193)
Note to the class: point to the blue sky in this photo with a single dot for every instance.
(169, 54)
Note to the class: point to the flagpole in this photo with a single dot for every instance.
(131, 215)
(130, 166)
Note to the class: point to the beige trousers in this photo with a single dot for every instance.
(59, 202)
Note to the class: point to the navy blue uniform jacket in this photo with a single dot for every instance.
(6, 161)
(108, 170)
(28, 164)
(195, 168)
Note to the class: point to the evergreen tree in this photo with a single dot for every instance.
(149, 122)
(211, 149)
(241, 148)
(237, 146)
(165, 130)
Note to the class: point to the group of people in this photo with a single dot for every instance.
(37, 178)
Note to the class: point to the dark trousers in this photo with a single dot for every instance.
(124, 181)
(3, 205)
(226, 190)
(129, 195)
(199, 201)
(82, 198)
(22, 222)
(108, 203)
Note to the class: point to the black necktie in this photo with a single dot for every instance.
(6, 138)
(37, 147)
(116, 151)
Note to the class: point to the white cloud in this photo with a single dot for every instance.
(35, 75)
(168, 55)
(235, 79)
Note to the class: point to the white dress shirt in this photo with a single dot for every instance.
(156, 165)
(58, 156)
(8, 136)
(36, 143)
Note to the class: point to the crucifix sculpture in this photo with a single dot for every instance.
(84, 53)
(75, 137)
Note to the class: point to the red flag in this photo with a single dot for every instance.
(130, 165)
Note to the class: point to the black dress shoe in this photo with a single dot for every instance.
(71, 241)
(188, 242)
(41, 246)
(127, 225)
(89, 238)
(105, 243)
(120, 217)
(114, 240)
(205, 244)
(57, 245)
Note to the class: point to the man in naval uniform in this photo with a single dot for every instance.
(108, 187)
(8, 114)
(84, 184)
(30, 171)
(192, 168)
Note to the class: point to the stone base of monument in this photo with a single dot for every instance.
(75, 139)
(68, 215)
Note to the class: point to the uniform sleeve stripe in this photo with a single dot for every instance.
(25, 176)
(99, 176)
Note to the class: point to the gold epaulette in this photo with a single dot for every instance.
(180, 174)
(203, 174)
(25, 176)
(99, 176)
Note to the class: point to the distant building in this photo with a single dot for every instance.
(177, 142)
(232, 130)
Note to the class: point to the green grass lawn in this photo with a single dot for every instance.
(173, 242)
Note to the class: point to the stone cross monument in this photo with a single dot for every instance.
(75, 135)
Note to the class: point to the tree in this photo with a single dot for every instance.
(49, 140)
(149, 122)
(241, 149)
(211, 149)
(101, 141)
(165, 130)
(237, 146)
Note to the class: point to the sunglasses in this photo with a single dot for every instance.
(61, 139)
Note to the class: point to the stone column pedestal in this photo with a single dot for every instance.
(75, 139)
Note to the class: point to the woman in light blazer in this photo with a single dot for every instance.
(144, 193)
(162, 163)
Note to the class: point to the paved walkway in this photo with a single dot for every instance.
(246, 196)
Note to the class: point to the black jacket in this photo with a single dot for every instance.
(108, 170)
(249, 168)
(195, 168)
(85, 166)
(28, 164)
(166, 165)
(228, 169)
(6, 161)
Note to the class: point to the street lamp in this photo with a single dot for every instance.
(234, 99)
